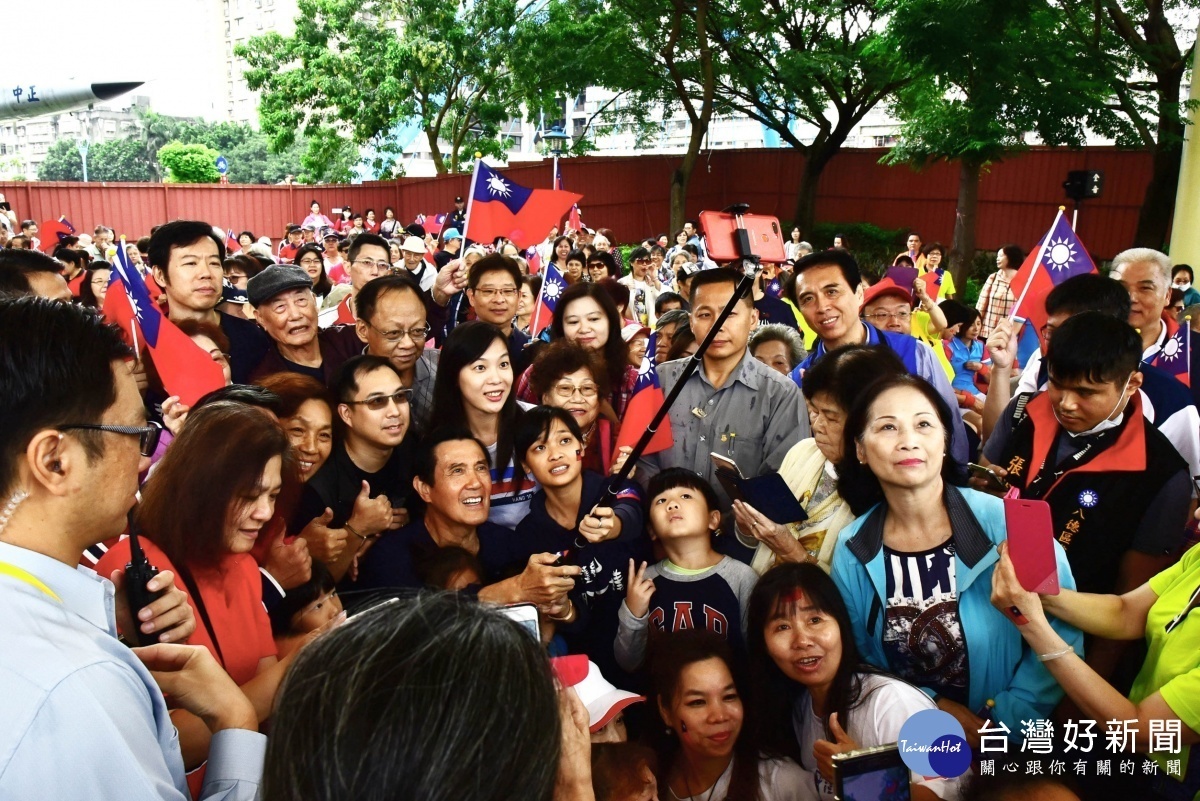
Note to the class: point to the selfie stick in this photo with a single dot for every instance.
(750, 268)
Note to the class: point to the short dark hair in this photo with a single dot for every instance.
(28, 224)
(605, 258)
(322, 286)
(535, 424)
(179, 234)
(577, 255)
(294, 390)
(826, 258)
(1014, 254)
(345, 380)
(425, 458)
(27, 262)
(494, 263)
(1187, 268)
(720, 275)
(857, 485)
(843, 373)
(368, 297)
(320, 581)
(48, 384)
(560, 358)
(670, 297)
(674, 477)
(245, 394)
(440, 655)
(638, 253)
(1094, 347)
(940, 248)
(87, 295)
(364, 239)
(1090, 292)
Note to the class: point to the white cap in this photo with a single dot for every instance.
(413, 244)
(631, 330)
(603, 701)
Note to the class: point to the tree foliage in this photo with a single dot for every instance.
(189, 164)
(1143, 58)
(1007, 75)
(359, 69)
(120, 160)
(809, 71)
(63, 162)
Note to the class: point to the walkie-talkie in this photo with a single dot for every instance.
(138, 572)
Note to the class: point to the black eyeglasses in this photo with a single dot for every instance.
(147, 435)
(401, 397)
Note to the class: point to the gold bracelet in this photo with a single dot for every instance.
(570, 615)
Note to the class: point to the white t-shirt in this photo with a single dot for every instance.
(887, 703)
(779, 780)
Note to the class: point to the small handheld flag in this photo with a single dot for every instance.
(646, 399)
(53, 232)
(1059, 256)
(553, 285)
(1176, 354)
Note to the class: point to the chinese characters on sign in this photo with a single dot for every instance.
(1164, 737)
(29, 94)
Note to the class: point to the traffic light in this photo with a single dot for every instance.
(1084, 184)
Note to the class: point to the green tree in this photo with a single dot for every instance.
(357, 69)
(805, 68)
(120, 160)
(62, 163)
(189, 164)
(1006, 75)
(1136, 45)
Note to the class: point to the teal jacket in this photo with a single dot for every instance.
(999, 664)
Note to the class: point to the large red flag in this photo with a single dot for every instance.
(499, 207)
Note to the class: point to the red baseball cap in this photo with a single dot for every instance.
(886, 287)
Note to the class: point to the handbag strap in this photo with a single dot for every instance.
(198, 599)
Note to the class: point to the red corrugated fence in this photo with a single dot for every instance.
(630, 195)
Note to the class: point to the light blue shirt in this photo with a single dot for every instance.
(80, 715)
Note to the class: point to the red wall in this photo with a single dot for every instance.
(1017, 198)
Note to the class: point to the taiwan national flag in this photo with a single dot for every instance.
(1062, 256)
(54, 231)
(1176, 354)
(185, 369)
(553, 285)
(432, 223)
(646, 399)
(231, 243)
(535, 261)
(499, 207)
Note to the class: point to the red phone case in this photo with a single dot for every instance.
(1031, 544)
(766, 236)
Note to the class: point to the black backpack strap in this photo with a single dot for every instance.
(198, 599)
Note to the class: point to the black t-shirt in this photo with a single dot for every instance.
(339, 481)
(443, 257)
(247, 346)
(393, 562)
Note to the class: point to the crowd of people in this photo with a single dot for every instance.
(405, 463)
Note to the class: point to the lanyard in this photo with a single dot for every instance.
(25, 577)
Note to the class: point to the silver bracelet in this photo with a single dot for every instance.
(1056, 654)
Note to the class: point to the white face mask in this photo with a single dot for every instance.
(1184, 287)
(1112, 421)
